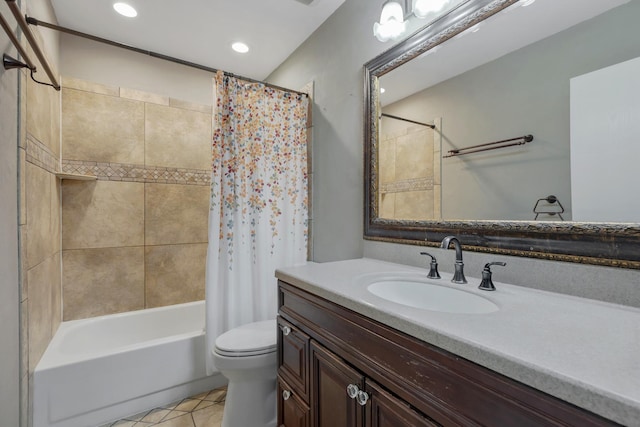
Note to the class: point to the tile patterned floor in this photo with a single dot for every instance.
(202, 410)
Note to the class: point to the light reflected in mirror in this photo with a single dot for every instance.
(562, 71)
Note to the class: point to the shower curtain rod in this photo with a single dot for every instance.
(407, 120)
(34, 21)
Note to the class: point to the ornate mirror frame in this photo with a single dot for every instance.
(608, 244)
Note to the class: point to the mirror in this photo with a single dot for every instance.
(550, 79)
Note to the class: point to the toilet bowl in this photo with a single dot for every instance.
(247, 357)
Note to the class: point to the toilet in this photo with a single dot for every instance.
(247, 357)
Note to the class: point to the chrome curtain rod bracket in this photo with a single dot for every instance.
(521, 140)
(407, 120)
(33, 21)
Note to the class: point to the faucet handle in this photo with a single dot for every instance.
(487, 284)
(433, 271)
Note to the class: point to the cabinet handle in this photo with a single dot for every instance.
(362, 398)
(286, 330)
(286, 394)
(352, 390)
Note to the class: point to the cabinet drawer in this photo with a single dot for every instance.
(292, 411)
(293, 358)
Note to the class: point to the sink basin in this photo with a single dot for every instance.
(430, 296)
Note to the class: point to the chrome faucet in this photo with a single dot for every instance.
(458, 276)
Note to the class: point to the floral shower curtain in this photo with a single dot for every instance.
(259, 201)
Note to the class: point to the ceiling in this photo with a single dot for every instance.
(202, 31)
(505, 32)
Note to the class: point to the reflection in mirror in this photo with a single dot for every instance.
(565, 72)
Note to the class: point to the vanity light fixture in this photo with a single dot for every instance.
(422, 8)
(125, 9)
(240, 47)
(392, 24)
(392, 19)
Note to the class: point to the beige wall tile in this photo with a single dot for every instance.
(22, 248)
(56, 292)
(56, 211)
(102, 128)
(177, 138)
(102, 281)
(138, 95)
(437, 167)
(101, 214)
(437, 202)
(42, 118)
(55, 98)
(174, 274)
(414, 205)
(41, 282)
(23, 185)
(414, 156)
(185, 105)
(22, 136)
(24, 337)
(387, 205)
(176, 213)
(39, 241)
(87, 86)
(387, 161)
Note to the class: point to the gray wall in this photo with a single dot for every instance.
(9, 284)
(333, 57)
(112, 66)
(525, 92)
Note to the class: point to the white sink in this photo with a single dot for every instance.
(429, 296)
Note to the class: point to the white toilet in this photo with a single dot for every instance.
(247, 357)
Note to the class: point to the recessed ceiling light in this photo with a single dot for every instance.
(125, 10)
(382, 90)
(240, 47)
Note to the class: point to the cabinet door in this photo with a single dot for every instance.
(292, 411)
(293, 357)
(386, 410)
(331, 405)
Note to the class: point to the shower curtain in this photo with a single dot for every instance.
(259, 201)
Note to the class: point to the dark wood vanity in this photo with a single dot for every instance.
(327, 353)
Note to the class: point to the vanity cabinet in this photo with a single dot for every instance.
(338, 368)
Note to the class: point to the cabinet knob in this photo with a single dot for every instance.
(286, 330)
(362, 398)
(352, 390)
(286, 394)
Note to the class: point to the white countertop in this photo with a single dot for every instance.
(583, 351)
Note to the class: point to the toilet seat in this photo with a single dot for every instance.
(252, 339)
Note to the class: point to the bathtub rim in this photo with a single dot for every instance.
(53, 357)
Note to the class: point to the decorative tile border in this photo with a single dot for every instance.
(415, 184)
(40, 155)
(137, 173)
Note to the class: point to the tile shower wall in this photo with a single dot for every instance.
(409, 172)
(137, 236)
(39, 223)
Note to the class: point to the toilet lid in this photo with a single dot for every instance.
(248, 340)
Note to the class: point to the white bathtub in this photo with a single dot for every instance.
(104, 368)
